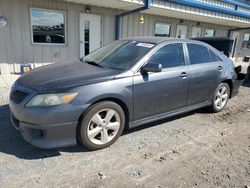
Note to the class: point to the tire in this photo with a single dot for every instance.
(220, 97)
(102, 124)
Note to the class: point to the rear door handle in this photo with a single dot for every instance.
(183, 75)
(219, 68)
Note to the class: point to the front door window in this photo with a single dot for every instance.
(169, 56)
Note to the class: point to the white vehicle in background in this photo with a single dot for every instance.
(224, 45)
(248, 72)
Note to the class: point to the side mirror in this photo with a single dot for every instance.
(152, 67)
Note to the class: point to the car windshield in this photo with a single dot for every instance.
(121, 54)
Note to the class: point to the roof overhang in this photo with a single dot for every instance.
(174, 11)
(115, 4)
(197, 16)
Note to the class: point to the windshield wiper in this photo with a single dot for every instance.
(93, 63)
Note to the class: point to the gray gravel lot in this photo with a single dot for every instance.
(198, 149)
(4, 94)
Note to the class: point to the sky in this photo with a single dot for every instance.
(46, 18)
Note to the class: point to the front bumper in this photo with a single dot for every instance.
(47, 136)
(45, 127)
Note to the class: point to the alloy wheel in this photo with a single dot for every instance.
(103, 126)
(221, 97)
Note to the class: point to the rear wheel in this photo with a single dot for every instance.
(101, 125)
(220, 98)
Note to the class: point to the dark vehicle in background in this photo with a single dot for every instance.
(128, 82)
(223, 44)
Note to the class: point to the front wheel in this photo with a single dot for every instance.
(101, 125)
(220, 98)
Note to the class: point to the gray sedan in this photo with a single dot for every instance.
(126, 83)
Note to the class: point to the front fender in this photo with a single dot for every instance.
(120, 89)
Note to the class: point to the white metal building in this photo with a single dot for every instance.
(53, 31)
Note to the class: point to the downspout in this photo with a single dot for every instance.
(118, 17)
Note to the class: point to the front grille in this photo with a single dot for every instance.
(18, 96)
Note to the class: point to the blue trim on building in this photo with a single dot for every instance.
(191, 3)
(214, 8)
(236, 3)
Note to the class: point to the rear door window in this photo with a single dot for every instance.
(169, 56)
(198, 54)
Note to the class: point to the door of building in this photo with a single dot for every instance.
(90, 33)
(181, 31)
(235, 37)
(196, 32)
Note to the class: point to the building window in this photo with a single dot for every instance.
(48, 27)
(162, 30)
(209, 33)
(246, 41)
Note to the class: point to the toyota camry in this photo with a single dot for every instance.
(126, 83)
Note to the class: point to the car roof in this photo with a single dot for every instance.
(158, 40)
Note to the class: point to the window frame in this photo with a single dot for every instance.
(196, 27)
(247, 42)
(48, 10)
(214, 33)
(188, 54)
(163, 23)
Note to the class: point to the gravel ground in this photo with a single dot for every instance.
(4, 94)
(197, 149)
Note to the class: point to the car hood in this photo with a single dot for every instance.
(65, 75)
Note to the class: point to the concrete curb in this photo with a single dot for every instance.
(4, 94)
(2, 82)
(6, 82)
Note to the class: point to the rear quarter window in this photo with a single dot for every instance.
(214, 57)
(198, 54)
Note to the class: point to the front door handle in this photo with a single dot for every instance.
(183, 75)
(219, 68)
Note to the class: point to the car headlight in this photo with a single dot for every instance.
(51, 99)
